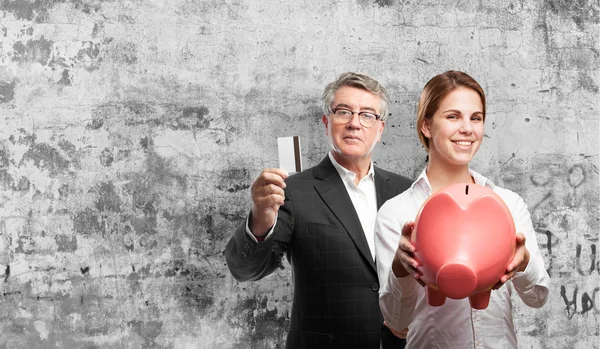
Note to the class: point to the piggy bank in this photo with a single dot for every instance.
(464, 237)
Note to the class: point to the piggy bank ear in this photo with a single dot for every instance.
(440, 213)
(493, 223)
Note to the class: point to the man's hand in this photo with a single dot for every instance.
(267, 197)
(404, 262)
(519, 262)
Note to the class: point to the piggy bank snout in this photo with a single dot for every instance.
(456, 280)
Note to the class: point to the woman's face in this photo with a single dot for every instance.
(456, 130)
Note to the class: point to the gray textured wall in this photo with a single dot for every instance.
(131, 130)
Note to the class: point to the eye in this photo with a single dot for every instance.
(452, 116)
(476, 118)
(343, 112)
(368, 116)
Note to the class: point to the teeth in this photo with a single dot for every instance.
(463, 143)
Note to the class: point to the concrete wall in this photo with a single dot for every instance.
(130, 132)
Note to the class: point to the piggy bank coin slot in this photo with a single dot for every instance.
(467, 190)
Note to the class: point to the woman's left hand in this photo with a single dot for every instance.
(519, 262)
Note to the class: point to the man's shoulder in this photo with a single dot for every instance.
(301, 178)
(320, 171)
(394, 178)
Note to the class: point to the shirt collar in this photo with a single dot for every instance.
(345, 173)
(423, 182)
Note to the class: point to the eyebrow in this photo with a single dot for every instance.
(458, 112)
(342, 105)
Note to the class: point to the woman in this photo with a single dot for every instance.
(450, 119)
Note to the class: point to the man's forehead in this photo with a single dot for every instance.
(350, 95)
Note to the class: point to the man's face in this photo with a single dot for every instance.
(353, 142)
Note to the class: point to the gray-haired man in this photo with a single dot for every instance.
(323, 220)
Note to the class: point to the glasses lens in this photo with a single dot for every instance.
(368, 119)
(342, 116)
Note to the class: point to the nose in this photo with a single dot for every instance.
(354, 122)
(466, 127)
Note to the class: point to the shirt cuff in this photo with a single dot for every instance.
(398, 305)
(402, 286)
(528, 278)
(258, 239)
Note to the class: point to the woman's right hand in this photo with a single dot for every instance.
(404, 259)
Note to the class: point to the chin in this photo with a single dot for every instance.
(351, 152)
(349, 155)
(462, 162)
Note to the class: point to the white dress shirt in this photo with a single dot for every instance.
(363, 197)
(453, 325)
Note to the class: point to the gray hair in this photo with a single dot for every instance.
(360, 81)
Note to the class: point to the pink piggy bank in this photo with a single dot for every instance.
(464, 237)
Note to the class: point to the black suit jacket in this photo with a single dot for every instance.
(336, 303)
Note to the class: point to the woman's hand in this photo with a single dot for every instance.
(519, 262)
(404, 262)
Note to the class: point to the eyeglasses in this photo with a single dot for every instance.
(343, 116)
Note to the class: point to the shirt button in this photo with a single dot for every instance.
(375, 287)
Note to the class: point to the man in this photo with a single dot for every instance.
(323, 220)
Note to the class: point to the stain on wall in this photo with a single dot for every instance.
(131, 133)
(7, 91)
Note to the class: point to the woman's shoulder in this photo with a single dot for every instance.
(403, 204)
(512, 199)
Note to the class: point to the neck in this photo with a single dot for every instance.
(360, 166)
(441, 174)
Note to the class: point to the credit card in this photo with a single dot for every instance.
(290, 157)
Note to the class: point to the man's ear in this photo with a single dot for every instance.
(325, 120)
(381, 131)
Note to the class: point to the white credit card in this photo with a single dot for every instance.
(290, 158)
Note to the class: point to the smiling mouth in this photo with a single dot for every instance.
(463, 143)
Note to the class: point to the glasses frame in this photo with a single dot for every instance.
(360, 113)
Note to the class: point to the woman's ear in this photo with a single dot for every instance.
(425, 129)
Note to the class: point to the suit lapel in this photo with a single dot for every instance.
(384, 189)
(334, 194)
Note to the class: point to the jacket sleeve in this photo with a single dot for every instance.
(531, 284)
(249, 260)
